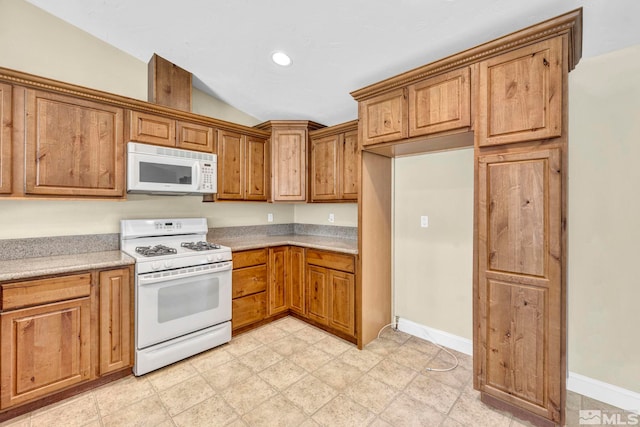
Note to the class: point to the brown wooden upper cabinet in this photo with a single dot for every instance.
(430, 106)
(333, 171)
(74, 147)
(289, 140)
(243, 167)
(440, 103)
(159, 130)
(521, 95)
(384, 117)
(5, 138)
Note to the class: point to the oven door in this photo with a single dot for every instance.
(173, 303)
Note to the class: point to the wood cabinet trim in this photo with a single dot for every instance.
(6, 127)
(569, 23)
(55, 86)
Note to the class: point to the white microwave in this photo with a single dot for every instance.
(153, 169)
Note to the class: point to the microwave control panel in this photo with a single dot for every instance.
(208, 176)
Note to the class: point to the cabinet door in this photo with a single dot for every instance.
(44, 349)
(520, 294)
(116, 318)
(297, 280)
(289, 152)
(152, 129)
(257, 167)
(342, 301)
(73, 147)
(5, 138)
(230, 165)
(384, 118)
(440, 103)
(277, 293)
(521, 95)
(318, 294)
(349, 166)
(192, 136)
(325, 169)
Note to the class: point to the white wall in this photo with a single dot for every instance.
(604, 218)
(345, 214)
(35, 42)
(433, 266)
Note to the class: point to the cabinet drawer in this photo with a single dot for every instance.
(249, 309)
(249, 258)
(250, 280)
(331, 260)
(42, 291)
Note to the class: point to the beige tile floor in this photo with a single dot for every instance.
(288, 373)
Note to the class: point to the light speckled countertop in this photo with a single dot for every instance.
(25, 268)
(336, 244)
(61, 264)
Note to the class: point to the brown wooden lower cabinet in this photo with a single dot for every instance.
(48, 327)
(278, 280)
(116, 320)
(315, 285)
(249, 287)
(330, 291)
(297, 294)
(44, 349)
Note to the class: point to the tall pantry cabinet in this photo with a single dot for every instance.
(507, 98)
(520, 290)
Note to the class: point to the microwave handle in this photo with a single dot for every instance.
(198, 175)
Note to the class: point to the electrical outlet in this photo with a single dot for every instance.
(424, 221)
(269, 217)
(332, 218)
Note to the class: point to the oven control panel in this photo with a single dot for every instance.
(168, 225)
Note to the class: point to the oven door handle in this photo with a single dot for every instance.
(182, 273)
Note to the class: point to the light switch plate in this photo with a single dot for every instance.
(424, 221)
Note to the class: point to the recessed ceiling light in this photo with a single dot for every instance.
(281, 58)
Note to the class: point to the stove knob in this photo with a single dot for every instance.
(168, 264)
(219, 257)
(155, 266)
(209, 258)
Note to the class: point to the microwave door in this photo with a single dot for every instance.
(157, 174)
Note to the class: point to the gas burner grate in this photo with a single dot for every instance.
(199, 246)
(156, 250)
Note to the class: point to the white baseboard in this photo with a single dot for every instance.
(463, 345)
(595, 389)
(604, 392)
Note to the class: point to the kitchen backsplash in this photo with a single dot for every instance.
(69, 245)
(57, 245)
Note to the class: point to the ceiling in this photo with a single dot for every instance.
(337, 46)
